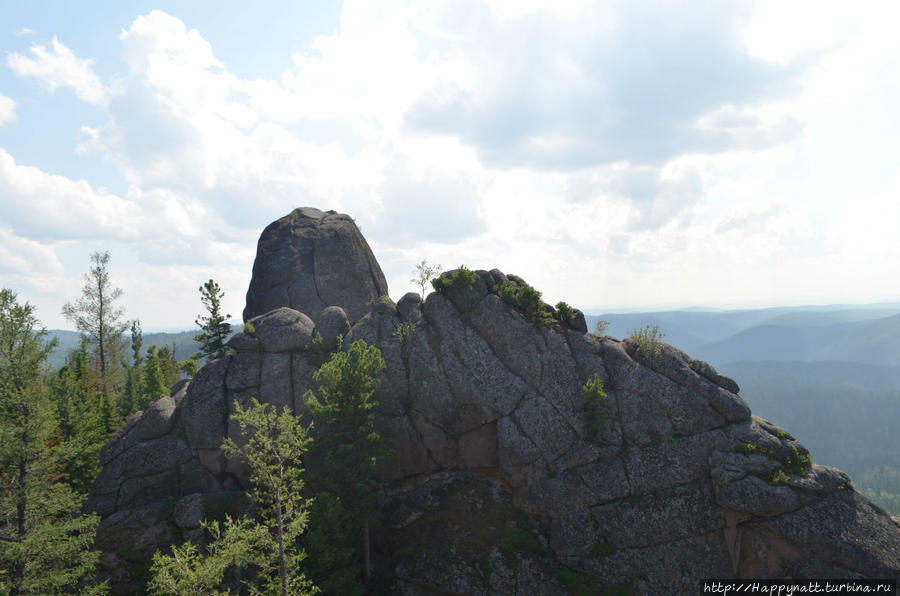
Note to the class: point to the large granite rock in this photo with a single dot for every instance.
(309, 260)
(499, 484)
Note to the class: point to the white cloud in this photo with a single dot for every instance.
(60, 67)
(48, 206)
(568, 90)
(24, 257)
(7, 109)
(601, 150)
(23, 31)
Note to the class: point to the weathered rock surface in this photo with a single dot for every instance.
(499, 484)
(309, 260)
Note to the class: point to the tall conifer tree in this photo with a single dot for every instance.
(96, 315)
(214, 331)
(46, 540)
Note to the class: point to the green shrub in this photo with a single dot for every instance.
(461, 280)
(779, 477)
(564, 312)
(797, 463)
(745, 448)
(647, 340)
(319, 351)
(577, 583)
(249, 328)
(526, 300)
(601, 328)
(594, 396)
(404, 332)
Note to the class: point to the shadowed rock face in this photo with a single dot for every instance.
(499, 485)
(309, 260)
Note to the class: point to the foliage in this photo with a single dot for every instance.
(601, 328)
(46, 539)
(273, 448)
(404, 332)
(318, 351)
(592, 400)
(346, 452)
(424, 273)
(526, 300)
(137, 340)
(168, 366)
(779, 477)
(647, 341)
(460, 280)
(83, 419)
(154, 385)
(577, 583)
(96, 316)
(272, 444)
(797, 463)
(564, 312)
(189, 365)
(249, 328)
(189, 571)
(214, 330)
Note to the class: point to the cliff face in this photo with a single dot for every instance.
(499, 485)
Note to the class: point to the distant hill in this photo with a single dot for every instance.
(863, 334)
(830, 375)
(846, 413)
(70, 340)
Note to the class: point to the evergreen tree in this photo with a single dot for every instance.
(272, 445)
(46, 541)
(95, 314)
(137, 340)
(131, 396)
(345, 453)
(168, 365)
(154, 386)
(83, 427)
(214, 330)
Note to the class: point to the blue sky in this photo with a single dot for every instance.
(614, 154)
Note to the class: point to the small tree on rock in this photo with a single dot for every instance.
(423, 274)
(214, 330)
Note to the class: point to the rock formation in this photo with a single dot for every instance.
(498, 484)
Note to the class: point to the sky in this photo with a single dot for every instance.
(617, 155)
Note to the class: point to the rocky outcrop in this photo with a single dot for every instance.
(309, 260)
(499, 484)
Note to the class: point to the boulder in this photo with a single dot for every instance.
(281, 330)
(309, 260)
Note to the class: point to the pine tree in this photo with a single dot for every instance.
(214, 330)
(345, 453)
(131, 396)
(96, 315)
(83, 428)
(272, 445)
(154, 387)
(168, 365)
(46, 540)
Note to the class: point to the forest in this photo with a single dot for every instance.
(54, 421)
